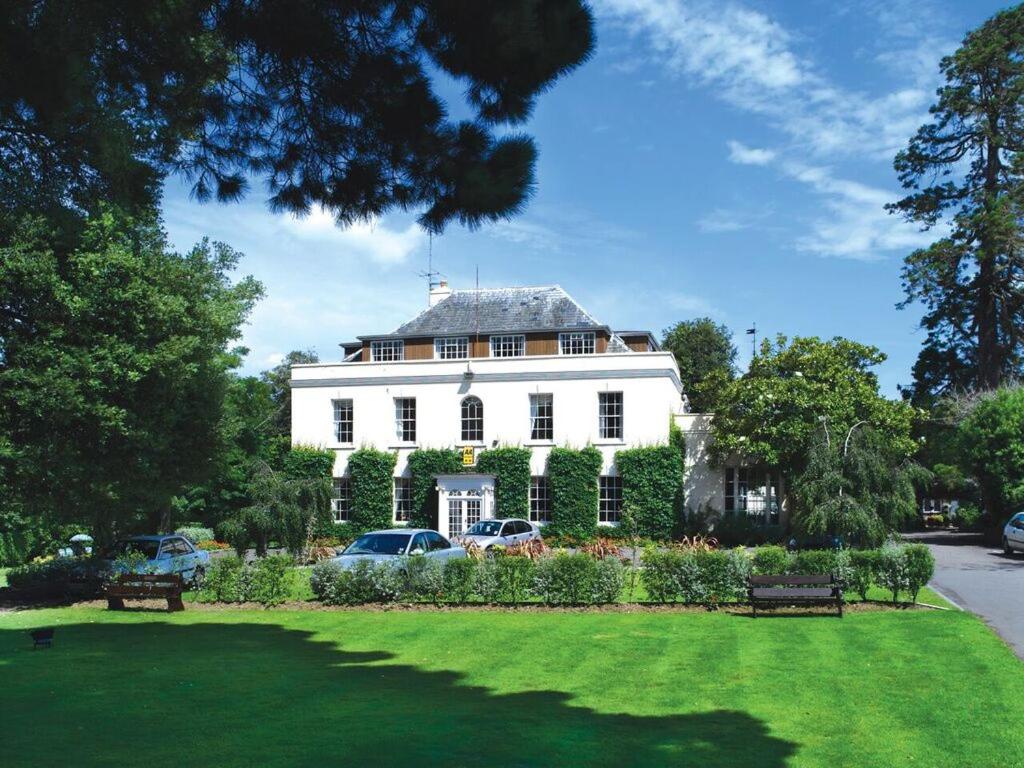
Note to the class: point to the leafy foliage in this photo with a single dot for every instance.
(855, 487)
(102, 100)
(113, 368)
(774, 411)
(992, 444)
(424, 464)
(510, 466)
(651, 481)
(460, 579)
(371, 476)
(573, 483)
(706, 357)
(966, 162)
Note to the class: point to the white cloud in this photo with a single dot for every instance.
(744, 155)
(721, 220)
(369, 239)
(562, 230)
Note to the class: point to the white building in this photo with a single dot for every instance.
(477, 369)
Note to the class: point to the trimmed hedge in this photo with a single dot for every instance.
(308, 462)
(511, 469)
(573, 484)
(651, 479)
(423, 465)
(371, 474)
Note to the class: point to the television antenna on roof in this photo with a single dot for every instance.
(432, 275)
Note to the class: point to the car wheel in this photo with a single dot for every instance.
(1007, 549)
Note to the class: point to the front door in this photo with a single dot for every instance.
(462, 513)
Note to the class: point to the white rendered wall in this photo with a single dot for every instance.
(703, 484)
(649, 383)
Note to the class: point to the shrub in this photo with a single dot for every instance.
(771, 560)
(863, 567)
(573, 483)
(651, 478)
(424, 464)
(920, 566)
(566, 579)
(673, 575)
(601, 548)
(460, 579)
(268, 584)
(714, 577)
(223, 582)
(371, 475)
(814, 561)
(365, 582)
(54, 574)
(424, 579)
(738, 529)
(609, 578)
(511, 469)
(195, 533)
(968, 517)
(505, 579)
(891, 570)
(324, 580)
(740, 567)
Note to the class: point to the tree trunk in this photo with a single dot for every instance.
(986, 312)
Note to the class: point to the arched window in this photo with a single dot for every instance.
(472, 420)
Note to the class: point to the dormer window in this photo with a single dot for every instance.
(451, 348)
(576, 343)
(387, 351)
(508, 346)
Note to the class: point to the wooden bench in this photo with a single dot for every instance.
(818, 589)
(145, 586)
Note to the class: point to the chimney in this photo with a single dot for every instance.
(439, 292)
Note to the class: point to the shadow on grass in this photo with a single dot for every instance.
(261, 694)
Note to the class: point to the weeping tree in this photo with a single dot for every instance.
(288, 504)
(855, 487)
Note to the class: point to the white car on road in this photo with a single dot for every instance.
(1013, 534)
(506, 532)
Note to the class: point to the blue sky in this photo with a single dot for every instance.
(728, 159)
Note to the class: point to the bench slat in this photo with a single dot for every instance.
(781, 593)
(796, 579)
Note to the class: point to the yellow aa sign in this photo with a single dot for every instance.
(467, 456)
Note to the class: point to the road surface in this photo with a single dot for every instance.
(981, 580)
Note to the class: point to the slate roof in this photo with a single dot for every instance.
(500, 310)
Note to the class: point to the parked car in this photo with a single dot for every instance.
(164, 554)
(488, 533)
(1013, 534)
(396, 545)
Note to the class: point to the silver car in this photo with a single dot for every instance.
(1013, 534)
(396, 545)
(488, 533)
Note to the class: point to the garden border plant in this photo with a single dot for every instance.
(573, 483)
(651, 479)
(510, 466)
(371, 479)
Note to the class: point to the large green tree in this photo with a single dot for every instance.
(278, 380)
(706, 358)
(966, 168)
(992, 445)
(330, 102)
(113, 367)
(793, 389)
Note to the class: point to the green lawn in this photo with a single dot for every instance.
(231, 687)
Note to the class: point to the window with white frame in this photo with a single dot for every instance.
(609, 509)
(403, 499)
(341, 499)
(387, 351)
(472, 420)
(753, 491)
(405, 419)
(451, 348)
(542, 419)
(609, 415)
(540, 500)
(455, 521)
(576, 343)
(472, 512)
(343, 421)
(508, 346)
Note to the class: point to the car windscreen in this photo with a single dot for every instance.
(147, 547)
(378, 544)
(485, 528)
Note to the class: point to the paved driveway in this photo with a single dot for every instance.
(981, 580)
